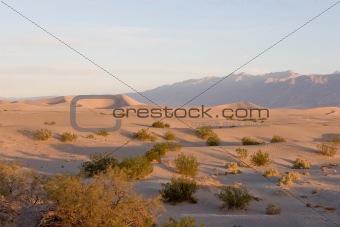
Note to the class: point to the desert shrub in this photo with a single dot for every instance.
(21, 188)
(174, 146)
(271, 173)
(68, 137)
(260, 158)
(234, 197)
(213, 140)
(272, 210)
(328, 148)
(184, 222)
(159, 124)
(153, 155)
(277, 139)
(136, 168)
(43, 134)
(90, 136)
(169, 136)
(98, 163)
(50, 123)
(144, 135)
(79, 202)
(103, 132)
(250, 141)
(242, 153)
(187, 165)
(179, 190)
(204, 131)
(288, 178)
(301, 164)
(233, 168)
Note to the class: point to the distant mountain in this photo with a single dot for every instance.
(273, 90)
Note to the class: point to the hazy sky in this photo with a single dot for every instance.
(156, 42)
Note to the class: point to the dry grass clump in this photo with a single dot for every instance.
(204, 131)
(187, 165)
(301, 164)
(169, 136)
(144, 135)
(288, 178)
(184, 222)
(213, 140)
(249, 141)
(271, 173)
(159, 124)
(234, 197)
(43, 134)
(68, 137)
(273, 210)
(260, 158)
(329, 147)
(90, 136)
(50, 123)
(160, 149)
(242, 153)
(233, 168)
(103, 132)
(277, 139)
(179, 190)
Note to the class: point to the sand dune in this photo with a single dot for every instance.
(239, 105)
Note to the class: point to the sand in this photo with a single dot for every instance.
(303, 129)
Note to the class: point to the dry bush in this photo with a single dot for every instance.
(242, 153)
(90, 136)
(107, 200)
(301, 164)
(103, 132)
(204, 131)
(250, 141)
(271, 173)
(288, 178)
(234, 197)
(179, 190)
(277, 139)
(159, 124)
(43, 134)
(260, 158)
(328, 148)
(68, 137)
(213, 140)
(136, 168)
(233, 168)
(187, 165)
(169, 136)
(50, 123)
(98, 163)
(144, 135)
(272, 210)
(184, 222)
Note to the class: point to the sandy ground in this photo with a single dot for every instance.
(303, 129)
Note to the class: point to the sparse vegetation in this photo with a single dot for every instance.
(68, 137)
(103, 132)
(50, 123)
(272, 209)
(260, 158)
(301, 164)
(153, 156)
(277, 139)
(99, 163)
(184, 222)
(288, 178)
(250, 141)
(90, 136)
(169, 136)
(144, 135)
(328, 148)
(43, 134)
(137, 167)
(187, 165)
(234, 197)
(174, 146)
(213, 140)
(159, 124)
(204, 132)
(271, 173)
(179, 190)
(242, 153)
(233, 168)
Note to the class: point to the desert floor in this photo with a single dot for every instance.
(303, 129)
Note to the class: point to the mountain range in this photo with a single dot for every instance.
(272, 90)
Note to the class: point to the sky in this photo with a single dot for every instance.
(149, 43)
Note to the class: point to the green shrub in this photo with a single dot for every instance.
(153, 155)
(260, 158)
(136, 168)
(68, 137)
(186, 165)
(90, 136)
(43, 134)
(242, 153)
(98, 163)
(184, 222)
(301, 164)
(174, 146)
(272, 210)
(250, 141)
(179, 190)
(213, 140)
(50, 123)
(289, 177)
(167, 125)
(271, 173)
(234, 197)
(107, 200)
(328, 148)
(159, 124)
(103, 132)
(204, 131)
(144, 135)
(169, 136)
(277, 139)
